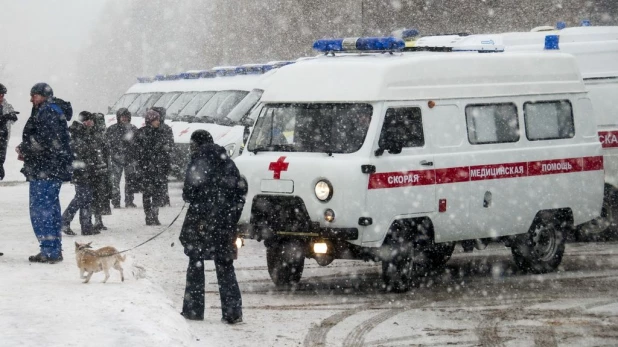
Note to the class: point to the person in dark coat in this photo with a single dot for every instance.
(101, 185)
(87, 163)
(216, 194)
(153, 157)
(121, 142)
(7, 117)
(169, 135)
(48, 159)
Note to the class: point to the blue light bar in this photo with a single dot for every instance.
(585, 23)
(359, 44)
(225, 71)
(190, 75)
(253, 69)
(552, 42)
(409, 33)
(159, 77)
(561, 25)
(207, 74)
(144, 80)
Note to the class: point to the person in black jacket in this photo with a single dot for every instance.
(101, 185)
(153, 156)
(121, 141)
(216, 194)
(169, 135)
(7, 117)
(87, 163)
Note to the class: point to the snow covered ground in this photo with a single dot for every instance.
(479, 301)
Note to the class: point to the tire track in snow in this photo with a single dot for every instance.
(356, 338)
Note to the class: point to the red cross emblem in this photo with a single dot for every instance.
(111, 120)
(277, 167)
(184, 132)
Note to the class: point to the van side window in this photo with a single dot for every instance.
(549, 120)
(404, 125)
(492, 123)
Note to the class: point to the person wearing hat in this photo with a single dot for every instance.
(88, 161)
(120, 139)
(153, 155)
(7, 117)
(48, 161)
(216, 194)
(169, 135)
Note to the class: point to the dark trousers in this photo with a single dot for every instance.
(152, 199)
(231, 303)
(116, 173)
(45, 216)
(81, 202)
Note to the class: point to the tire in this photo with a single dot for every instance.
(541, 249)
(605, 226)
(439, 254)
(405, 267)
(286, 261)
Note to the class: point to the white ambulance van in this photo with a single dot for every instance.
(395, 157)
(595, 49)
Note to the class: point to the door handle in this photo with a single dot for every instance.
(426, 163)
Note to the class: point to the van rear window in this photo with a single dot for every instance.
(549, 120)
(492, 123)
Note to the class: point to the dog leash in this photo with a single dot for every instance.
(157, 235)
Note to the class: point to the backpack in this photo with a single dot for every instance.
(65, 106)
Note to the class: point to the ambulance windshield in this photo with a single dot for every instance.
(143, 100)
(194, 106)
(124, 101)
(328, 128)
(220, 105)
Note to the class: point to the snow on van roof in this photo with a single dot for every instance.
(239, 82)
(595, 48)
(423, 75)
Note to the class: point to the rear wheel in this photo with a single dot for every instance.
(286, 261)
(541, 249)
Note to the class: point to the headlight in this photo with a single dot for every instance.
(229, 149)
(323, 190)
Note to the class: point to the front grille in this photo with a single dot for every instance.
(280, 213)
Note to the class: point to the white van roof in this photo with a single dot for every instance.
(241, 82)
(595, 48)
(423, 75)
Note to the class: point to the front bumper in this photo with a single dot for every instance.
(316, 232)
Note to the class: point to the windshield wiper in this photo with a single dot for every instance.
(274, 148)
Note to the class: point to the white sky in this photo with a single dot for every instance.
(39, 41)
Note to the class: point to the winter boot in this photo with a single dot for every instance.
(67, 230)
(40, 258)
(98, 223)
(130, 205)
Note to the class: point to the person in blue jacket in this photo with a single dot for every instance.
(48, 158)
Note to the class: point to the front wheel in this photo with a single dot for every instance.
(541, 249)
(286, 261)
(404, 266)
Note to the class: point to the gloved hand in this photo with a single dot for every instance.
(1, 173)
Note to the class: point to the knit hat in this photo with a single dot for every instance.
(200, 137)
(42, 89)
(123, 112)
(151, 116)
(86, 116)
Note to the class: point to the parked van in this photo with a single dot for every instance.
(595, 49)
(396, 157)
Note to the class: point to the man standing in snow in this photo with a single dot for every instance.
(120, 139)
(153, 154)
(7, 117)
(216, 192)
(48, 159)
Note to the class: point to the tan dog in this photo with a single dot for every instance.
(102, 259)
